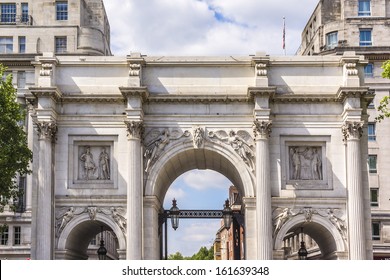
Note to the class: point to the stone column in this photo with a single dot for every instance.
(134, 191)
(352, 132)
(262, 130)
(250, 228)
(45, 203)
(152, 207)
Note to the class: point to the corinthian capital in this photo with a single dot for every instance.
(135, 129)
(46, 130)
(262, 129)
(352, 130)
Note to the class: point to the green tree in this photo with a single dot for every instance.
(204, 254)
(15, 156)
(176, 256)
(383, 108)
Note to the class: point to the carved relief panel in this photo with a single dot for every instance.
(305, 164)
(92, 162)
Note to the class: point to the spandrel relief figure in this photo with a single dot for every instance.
(240, 142)
(156, 147)
(89, 163)
(305, 163)
(104, 165)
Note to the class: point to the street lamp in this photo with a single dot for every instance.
(227, 215)
(102, 251)
(302, 252)
(174, 211)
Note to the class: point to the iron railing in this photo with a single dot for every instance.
(16, 20)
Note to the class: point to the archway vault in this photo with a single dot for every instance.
(184, 157)
(328, 238)
(78, 233)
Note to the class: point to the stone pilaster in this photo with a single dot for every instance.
(250, 228)
(152, 207)
(262, 130)
(134, 191)
(44, 218)
(352, 131)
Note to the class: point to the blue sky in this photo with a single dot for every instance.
(204, 27)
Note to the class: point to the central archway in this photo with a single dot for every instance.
(180, 159)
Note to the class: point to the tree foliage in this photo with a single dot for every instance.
(383, 108)
(202, 254)
(15, 156)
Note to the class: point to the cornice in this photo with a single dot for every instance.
(52, 92)
(90, 98)
(206, 99)
(354, 92)
(141, 92)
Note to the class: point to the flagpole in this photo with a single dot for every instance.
(284, 35)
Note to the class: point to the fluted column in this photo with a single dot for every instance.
(352, 132)
(134, 191)
(262, 130)
(44, 218)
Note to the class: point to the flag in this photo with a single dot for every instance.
(284, 33)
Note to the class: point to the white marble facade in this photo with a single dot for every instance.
(285, 130)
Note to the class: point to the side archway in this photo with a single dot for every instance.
(76, 236)
(329, 239)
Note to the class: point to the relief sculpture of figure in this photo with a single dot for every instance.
(296, 162)
(66, 217)
(316, 165)
(198, 137)
(89, 164)
(104, 165)
(337, 222)
(239, 144)
(155, 148)
(280, 219)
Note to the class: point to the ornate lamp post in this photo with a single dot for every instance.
(302, 252)
(227, 215)
(174, 211)
(102, 251)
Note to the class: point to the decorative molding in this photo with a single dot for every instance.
(198, 137)
(261, 69)
(141, 92)
(92, 98)
(135, 69)
(262, 129)
(52, 92)
(199, 99)
(135, 129)
(46, 69)
(46, 129)
(350, 69)
(352, 130)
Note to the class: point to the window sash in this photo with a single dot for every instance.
(8, 12)
(25, 17)
(331, 40)
(376, 232)
(372, 160)
(6, 45)
(61, 44)
(62, 10)
(22, 44)
(365, 38)
(369, 70)
(17, 235)
(374, 197)
(364, 8)
(371, 132)
(4, 237)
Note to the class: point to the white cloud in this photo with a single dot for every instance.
(205, 180)
(208, 27)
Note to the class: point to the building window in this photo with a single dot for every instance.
(372, 163)
(374, 197)
(369, 70)
(371, 132)
(17, 235)
(331, 40)
(61, 44)
(376, 231)
(8, 13)
(364, 8)
(6, 45)
(21, 81)
(62, 10)
(4, 237)
(22, 44)
(25, 17)
(365, 37)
